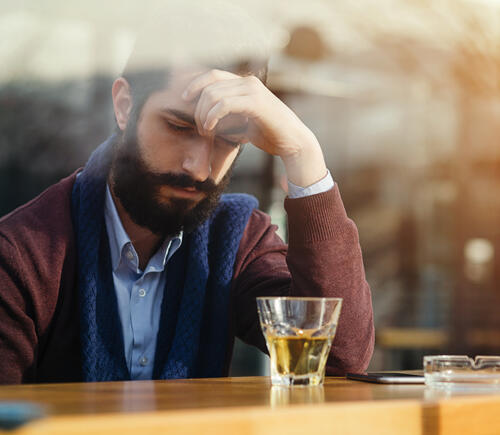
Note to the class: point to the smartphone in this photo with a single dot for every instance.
(387, 378)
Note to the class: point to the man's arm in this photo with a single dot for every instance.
(323, 259)
(38, 326)
(18, 337)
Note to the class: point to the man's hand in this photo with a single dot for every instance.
(272, 126)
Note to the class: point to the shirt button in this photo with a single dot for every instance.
(130, 255)
(143, 361)
(142, 292)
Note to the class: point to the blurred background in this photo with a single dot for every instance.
(403, 95)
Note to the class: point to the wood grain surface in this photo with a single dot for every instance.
(252, 406)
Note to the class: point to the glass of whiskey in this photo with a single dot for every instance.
(299, 333)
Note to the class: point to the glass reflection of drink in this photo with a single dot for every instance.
(282, 396)
(299, 333)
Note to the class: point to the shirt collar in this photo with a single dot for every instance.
(121, 246)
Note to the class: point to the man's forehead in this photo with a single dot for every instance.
(177, 80)
(180, 77)
(170, 96)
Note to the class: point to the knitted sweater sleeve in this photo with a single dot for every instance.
(36, 259)
(323, 258)
(18, 335)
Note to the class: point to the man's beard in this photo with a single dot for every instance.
(138, 190)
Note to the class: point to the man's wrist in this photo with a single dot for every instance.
(307, 166)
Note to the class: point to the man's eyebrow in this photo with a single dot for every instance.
(186, 117)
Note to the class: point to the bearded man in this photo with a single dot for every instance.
(136, 267)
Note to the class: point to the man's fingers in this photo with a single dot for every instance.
(240, 104)
(203, 80)
(212, 94)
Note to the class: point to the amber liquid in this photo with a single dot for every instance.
(298, 355)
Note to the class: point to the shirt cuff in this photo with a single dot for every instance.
(326, 183)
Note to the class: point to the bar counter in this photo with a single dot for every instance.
(251, 406)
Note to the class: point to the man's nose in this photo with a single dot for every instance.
(197, 160)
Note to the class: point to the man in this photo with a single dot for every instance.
(137, 268)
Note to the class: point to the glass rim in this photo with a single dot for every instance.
(454, 358)
(444, 357)
(299, 298)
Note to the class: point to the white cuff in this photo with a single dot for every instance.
(326, 183)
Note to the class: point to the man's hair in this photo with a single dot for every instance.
(213, 35)
(143, 83)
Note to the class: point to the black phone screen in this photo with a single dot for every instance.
(387, 378)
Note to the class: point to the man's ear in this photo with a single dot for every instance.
(122, 101)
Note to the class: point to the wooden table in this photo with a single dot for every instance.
(252, 406)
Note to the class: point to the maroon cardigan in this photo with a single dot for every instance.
(39, 331)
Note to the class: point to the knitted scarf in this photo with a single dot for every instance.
(193, 331)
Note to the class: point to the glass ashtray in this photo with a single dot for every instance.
(460, 371)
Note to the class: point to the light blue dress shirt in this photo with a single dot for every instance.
(140, 292)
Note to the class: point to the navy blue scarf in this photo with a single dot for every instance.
(193, 332)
